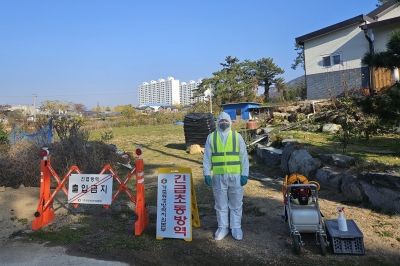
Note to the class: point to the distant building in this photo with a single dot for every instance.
(186, 92)
(26, 109)
(161, 91)
(168, 92)
(240, 111)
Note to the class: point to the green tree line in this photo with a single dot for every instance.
(239, 81)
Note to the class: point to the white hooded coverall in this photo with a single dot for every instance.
(228, 193)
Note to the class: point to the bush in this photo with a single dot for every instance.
(3, 135)
(21, 165)
(90, 157)
(276, 140)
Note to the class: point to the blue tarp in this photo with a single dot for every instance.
(42, 137)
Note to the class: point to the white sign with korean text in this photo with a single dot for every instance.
(90, 188)
(174, 203)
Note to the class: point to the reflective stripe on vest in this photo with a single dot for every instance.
(225, 159)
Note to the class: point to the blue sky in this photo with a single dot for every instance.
(99, 52)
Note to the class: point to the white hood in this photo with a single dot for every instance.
(224, 115)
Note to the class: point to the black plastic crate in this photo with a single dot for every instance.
(348, 242)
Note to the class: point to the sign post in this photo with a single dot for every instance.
(177, 208)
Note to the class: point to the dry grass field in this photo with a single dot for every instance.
(95, 232)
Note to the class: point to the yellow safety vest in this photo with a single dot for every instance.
(225, 159)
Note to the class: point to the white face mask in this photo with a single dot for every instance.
(223, 125)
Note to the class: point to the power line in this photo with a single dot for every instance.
(72, 94)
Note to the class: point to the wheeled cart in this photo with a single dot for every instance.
(301, 211)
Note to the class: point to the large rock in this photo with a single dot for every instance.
(259, 149)
(271, 156)
(310, 128)
(291, 109)
(305, 108)
(339, 160)
(282, 116)
(303, 163)
(330, 176)
(379, 189)
(294, 142)
(195, 149)
(382, 190)
(352, 188)
(286, 152)
(331, 128)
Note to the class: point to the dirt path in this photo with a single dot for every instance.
(266, 237)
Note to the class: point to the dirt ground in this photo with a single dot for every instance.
(266, 239)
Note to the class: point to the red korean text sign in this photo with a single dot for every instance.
(174, 215)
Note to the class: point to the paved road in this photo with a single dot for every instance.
(16, 253)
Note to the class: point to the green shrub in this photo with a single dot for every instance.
(3, 135)
(276, 140)
(107, 135)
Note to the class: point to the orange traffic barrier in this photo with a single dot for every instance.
(141, 209)
(45, 213)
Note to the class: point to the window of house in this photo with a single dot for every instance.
(326, 61)
(331, 60)
(336, 59)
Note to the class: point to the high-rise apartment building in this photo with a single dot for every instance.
(168, 92)
(161, 91)
(186, 92)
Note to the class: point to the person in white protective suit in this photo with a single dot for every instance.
(225, 154)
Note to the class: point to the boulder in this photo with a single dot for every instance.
(305, 108)
(302, 162)
(195, 149)
(281, 116)
(310, 128)
(330, 176)
(290, 141)
(382, 190)
(271, 156)
(339, 119)
(352, 189)
(291, 109)
(286, 152)
(331, 128)
(339, 160)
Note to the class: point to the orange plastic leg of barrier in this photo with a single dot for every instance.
(141, 209)
(43, 215)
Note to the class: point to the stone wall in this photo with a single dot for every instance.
(336, 172)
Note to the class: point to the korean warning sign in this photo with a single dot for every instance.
(174, 217)
(90, 188)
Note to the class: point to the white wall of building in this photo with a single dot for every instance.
(349, 42)
(394, 12)
(161, 91)
(381, 34)
(186, 92)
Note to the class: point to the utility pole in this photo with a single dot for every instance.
(34, 105)
(210, 100)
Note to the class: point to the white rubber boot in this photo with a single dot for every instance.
(221, 233)
(237, 233)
